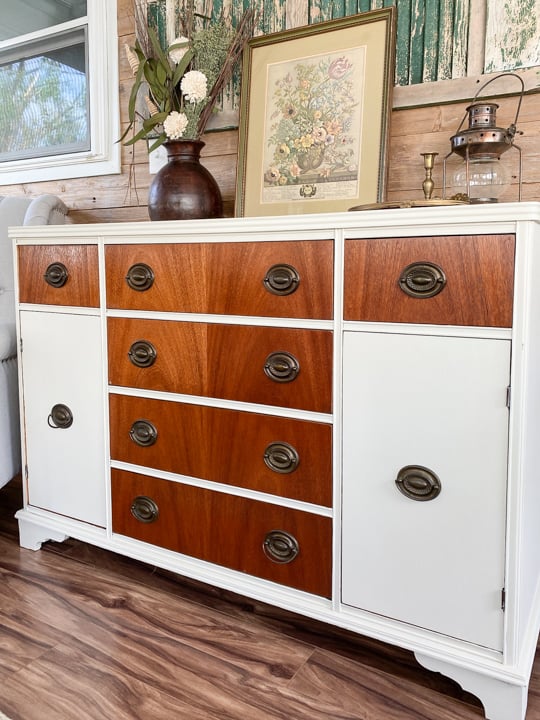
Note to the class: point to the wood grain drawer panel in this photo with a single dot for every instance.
(225, 446)
(226, 530)
(224, 361)
(224, 278)
(479, 272)
(82, 286)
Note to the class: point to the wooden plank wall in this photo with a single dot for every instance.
(413, 131)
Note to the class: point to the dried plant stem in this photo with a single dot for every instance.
(141, 28)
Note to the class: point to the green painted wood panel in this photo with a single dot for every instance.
(416, 52)
(156, 13)
(403, 42)
(425, 28)
(513, 32)
(445, 49)
(460, 38)
(432, 35)
(431, 41)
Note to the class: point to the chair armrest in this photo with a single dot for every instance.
(45, 210)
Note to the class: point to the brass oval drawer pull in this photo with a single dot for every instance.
(281, 457)
(281, 367)
(422, 280)
(418, 483)
(281, 279)
(142, 354)
(144, 509)
(140, 277)
(60, 417)
(56, 275)
(143, 433)
(280, 546)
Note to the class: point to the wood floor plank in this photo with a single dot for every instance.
(89, 635)
(64, 685)
(65, 597)
(375, 694)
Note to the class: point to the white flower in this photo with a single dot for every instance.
(178, 48)
(174, 125)
(194, 86)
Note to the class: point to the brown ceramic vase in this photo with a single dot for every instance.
(183, 189)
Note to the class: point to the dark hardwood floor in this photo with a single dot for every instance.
(88, 635)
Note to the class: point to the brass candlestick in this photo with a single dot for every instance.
(428, 184)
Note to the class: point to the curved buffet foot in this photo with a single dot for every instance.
(32, 534)
(501, 700)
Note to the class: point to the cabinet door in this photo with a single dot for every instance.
(62, 375)
(420, 404)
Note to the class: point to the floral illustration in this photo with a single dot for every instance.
(313, 126)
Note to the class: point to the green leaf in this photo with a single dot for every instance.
(150, 71)
(134, 91)
(125, 133)
(139, 136)
(182, 67)
(160, 140)
(157, 90)
(159, 51)
(151, 122)
(161, 74)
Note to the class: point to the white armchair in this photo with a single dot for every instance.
(42, 210)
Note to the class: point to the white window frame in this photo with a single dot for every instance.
(103, 158)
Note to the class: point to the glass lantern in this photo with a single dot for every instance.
(481, 177)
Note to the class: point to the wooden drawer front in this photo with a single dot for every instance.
(225, 529)
(479, 272)
(81, 288)
(225, 278)
(225, 446)
(224, 361)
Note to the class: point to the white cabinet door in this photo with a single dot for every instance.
(62, 365)
(438, 403)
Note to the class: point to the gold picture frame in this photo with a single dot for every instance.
(314, 115)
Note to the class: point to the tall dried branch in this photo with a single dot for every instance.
(141, 28)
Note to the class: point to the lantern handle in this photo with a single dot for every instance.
(512, 128)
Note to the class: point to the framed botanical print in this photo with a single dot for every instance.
(315, 105)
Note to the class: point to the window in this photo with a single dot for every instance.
(59, 89)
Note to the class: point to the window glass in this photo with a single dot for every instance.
(27, 16)
(45, 100)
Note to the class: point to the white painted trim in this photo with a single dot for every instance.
(399, 222)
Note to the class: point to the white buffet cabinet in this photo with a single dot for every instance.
(336, 414)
